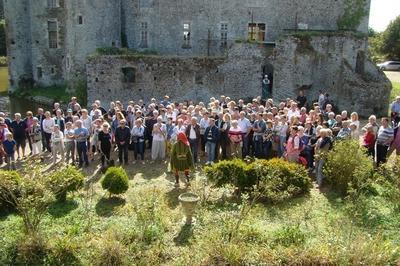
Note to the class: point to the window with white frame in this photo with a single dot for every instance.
(53, 33)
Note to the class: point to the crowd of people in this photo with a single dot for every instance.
(296, 129)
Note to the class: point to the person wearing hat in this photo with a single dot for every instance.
(181, 157)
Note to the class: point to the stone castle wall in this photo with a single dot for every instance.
(182, 78)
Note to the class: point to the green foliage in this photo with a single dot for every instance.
(115, 181)
(233, 172)
(348, 168)
(390, 43)
(32, 250)
(395, 91)
(3, 61)
(65, 179)
(288, 236)
(9, 188)
(280, 180)
(354, 12)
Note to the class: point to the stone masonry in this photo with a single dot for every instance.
(201, 45)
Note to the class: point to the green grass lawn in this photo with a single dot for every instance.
(145, 227)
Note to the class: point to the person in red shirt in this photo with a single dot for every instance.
(369, 140)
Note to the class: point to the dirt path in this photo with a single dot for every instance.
(393, 75)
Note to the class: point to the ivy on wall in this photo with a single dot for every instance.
(354, 12)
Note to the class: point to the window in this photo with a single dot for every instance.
(39, 71)
(224, 34)
(52, 3)
(186, 35)
(52, 70)
(80, 20)
(53, 35)
(256, 32)
(67, 62)
(129, 74)
(143, 35)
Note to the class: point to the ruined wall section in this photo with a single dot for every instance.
(336, 64)
(197, 78)
(18, 32)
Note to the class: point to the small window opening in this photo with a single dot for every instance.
(129, 74)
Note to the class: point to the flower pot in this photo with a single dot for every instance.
(189, 203)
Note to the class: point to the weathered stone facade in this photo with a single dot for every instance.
(201, 46)
(183, 78)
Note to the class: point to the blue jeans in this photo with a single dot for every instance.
(139, 150)
(82, 152)
(210, 150)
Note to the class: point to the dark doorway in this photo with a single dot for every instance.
(268, 70)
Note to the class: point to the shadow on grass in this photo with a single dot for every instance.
(59, 209)
(172, 197)
(105, 207)
(186, 232)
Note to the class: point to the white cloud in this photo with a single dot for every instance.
(382, 12)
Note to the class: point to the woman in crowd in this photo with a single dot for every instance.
(138, 139)
(104, 144)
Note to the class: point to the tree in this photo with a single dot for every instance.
(391, 40)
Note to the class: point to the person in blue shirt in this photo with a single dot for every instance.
(395, 109)
(10, 146)
(81, 135)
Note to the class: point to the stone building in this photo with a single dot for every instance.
(204, 48)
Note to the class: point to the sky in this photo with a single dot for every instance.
(382, 12)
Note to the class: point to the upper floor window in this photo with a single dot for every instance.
(129, 74)
(256, 32)
(143, 35)
(53, 34)
(186, 35)
(224, 34)
(80, 20)
(53, 3)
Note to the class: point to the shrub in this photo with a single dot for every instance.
(32, 250)
(115, 181)
(288, 236)
(234, 172)
(280, 180)
(348, 168)
(9, 186)
(64, 180)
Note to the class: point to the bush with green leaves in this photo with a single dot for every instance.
(115, 181)
(64, 180)
(280, 180)
(233, 172)
(348, 168)
(9, 187)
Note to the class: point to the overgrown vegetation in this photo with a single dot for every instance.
(3, 45)
(146, 226)
(124, 51)
(354, 12)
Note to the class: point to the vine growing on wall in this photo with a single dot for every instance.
(354, 12)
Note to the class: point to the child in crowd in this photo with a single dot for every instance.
(10, 146)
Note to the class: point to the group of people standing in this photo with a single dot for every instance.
(218, 130)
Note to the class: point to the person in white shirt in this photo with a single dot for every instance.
(180, 127)
(293, 111)
(245, 128)
(159, 137)
(69, 142)
(57, 143)
(48, 124)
